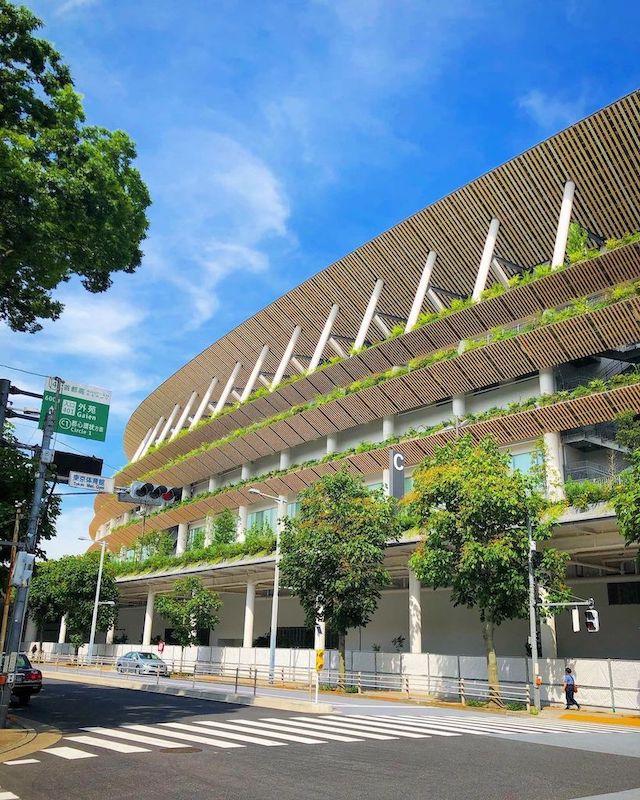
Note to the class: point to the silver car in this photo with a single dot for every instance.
(141, 663)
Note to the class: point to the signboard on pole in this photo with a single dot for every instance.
(83, 411)
(396, 474)
(93, 483)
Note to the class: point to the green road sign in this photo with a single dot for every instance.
(83, 410)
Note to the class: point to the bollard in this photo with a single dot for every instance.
(359, 683)
(613, 698)
(193, 683)
(528, 697)
(255, 682)
(237, 673)
(317, 682)
(462, 697)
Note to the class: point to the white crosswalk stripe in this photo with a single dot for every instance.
(239, 737)
(234, 733)
(8, 795)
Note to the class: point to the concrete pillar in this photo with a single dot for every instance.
(249, 613)
(286, 358)
(332, 442)
(183, 535)
(285, 459)
(208, 531)
(245, 472)
(142, 445)
(254, 374)
(368, 315)
(62, 634)
(319, 635)
(388, 427)
(243, 513)
(110, 634)
(227, 389)
(213, 483)
(203, 404)
(421, 291)
(548, 636)
(324, 338)
(415, 614)
(485, 261)
(151, 438)
(564, 220)
(553, 466)
(459, 405)
(148, 619)
(547, 381)
(183, 417)
(186, 492)
(167, 426)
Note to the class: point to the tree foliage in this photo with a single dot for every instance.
(333, 551)
(71, 203)
(225, 527)
(627, 497)
(67, 586)
(473, 512)
(189, 607)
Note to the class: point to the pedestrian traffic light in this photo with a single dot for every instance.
(592, 620)
(152, 494)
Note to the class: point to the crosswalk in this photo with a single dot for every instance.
(238, 733)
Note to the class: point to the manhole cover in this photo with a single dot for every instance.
(185, 749)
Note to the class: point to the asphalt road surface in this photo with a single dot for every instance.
(154, 747)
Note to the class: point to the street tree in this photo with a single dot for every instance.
(473, 513)
(225, 527)
(67, 586)
(71, 203)
(188, 608)
(627, 497)
(333, 552)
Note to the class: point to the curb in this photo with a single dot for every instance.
(602, 719)
(36, 737)
(279, 703)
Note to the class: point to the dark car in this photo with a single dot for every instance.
(28, 681)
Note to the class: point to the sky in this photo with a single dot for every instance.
(275, 137)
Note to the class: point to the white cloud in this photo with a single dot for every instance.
(71, 525)
(72, 5)
(552, 113)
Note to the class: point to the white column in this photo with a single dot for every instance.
(547, 381)
(339, 349)
(324, 337)
(459, 405)
(148, 619)
(254, 374)
(183, 416)
(245, 472)
(186, 492)
(437, 302)
(382, 325)
(285, 458)
(548, 636)
(208, 531)
(388, 427)
(284, 363)
(203, 404)
(243, 514)
(332, 442)
(319, 635)
(249, 612)
(421, 291)
(485, 261)
(553, 465)
(213, 483)
(142, 445)
(415, 614)
(110, 634)
(168, 424)
(368, 314)
(183, 535)
(564, 220)
(152, 437)
(227, 388)
(62, 634)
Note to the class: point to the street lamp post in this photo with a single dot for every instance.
(96, 603)
(281, 501)
(533, 632)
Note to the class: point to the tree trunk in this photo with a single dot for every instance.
(342, 682)
(492, 663)
(181, 657)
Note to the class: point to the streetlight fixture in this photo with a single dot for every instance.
(281, 501)
(97, 602)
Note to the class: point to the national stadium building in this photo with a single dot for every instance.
(472, 315)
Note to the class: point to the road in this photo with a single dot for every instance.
(155, 747)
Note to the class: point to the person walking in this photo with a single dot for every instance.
(570, 688)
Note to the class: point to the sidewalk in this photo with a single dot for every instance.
(25, 737)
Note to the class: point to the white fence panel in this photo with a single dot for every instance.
(513, 670)
(473, 668)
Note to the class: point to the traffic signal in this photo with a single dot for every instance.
(592, 620)
(153, 494)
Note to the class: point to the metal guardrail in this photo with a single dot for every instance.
(252, 677)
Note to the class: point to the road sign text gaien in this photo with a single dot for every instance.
(83, 410)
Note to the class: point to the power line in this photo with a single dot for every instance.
(26, 371)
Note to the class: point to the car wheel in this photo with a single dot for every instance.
(138, 669)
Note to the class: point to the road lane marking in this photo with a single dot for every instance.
(240, 726)
(318, 728)
(117, 747)
(8, 795)
(240, 737)
(292, 734)
(118, 733)
(70, 753)
(391, 723)
(374, 726)
(186, 737)
(21, 761)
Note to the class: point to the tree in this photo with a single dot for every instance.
(627, 497)
(17, 475)
(68, 586)
(225, 527)
(473, 513)
(189, 607)
(332, 553)
(71, 203)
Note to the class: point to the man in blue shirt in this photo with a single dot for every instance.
(570, 687)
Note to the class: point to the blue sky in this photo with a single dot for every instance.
(277, 136)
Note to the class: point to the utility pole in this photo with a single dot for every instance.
(533, 628)
(16, 623)
(7, 597)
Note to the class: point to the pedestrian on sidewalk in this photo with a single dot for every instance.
(570, 688)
